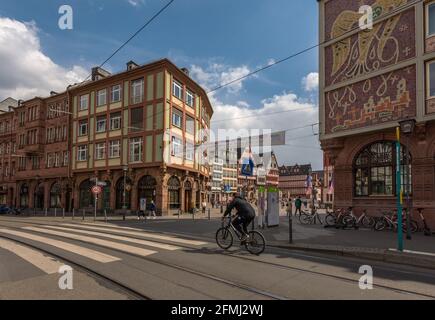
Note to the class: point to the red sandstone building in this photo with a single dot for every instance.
(371, 81)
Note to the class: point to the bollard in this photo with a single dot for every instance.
(55, 212)
(209, 214)
(105, 215)
(222, 209)
(83, 214)
(73, 214)
(179, 213)
(193, 214)
(123, 216)
(290, 228)
(46, 213)
(63, 213)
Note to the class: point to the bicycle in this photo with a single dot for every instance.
(310, 218)
(336, 218)
(363, 220)
(390, 222)
(255, 244)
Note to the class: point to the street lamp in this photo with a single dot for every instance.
(407, 127)
(124, 204)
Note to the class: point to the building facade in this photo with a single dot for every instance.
(292, 180)
(370, 82)
(135, 133)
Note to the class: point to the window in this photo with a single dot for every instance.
(115, 121)
(116, 93)
(174, 193)
(65, 158)
(177, 147)
(137, 91)
(177, 118)
(101, 124)
(136, 149)
(190, 125)
(84, 102)
(57, 159)
(375, 167)
(100, 151)
(82, 153)
(114, 149)
(136, 116)
(35, 162)
(177, 90)
(190, 98)
(431, 19)
(83, 127)
(102, 97)
(189, 151)
(431, 78)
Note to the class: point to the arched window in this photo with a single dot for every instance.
(375, 170)
(86, 197)
(146, 188)
(174, 193)
(38, 198)
(24, 196)
(55, 193)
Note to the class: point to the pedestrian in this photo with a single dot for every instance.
(298, 205)
(153, 209)
(289, 207)
(140, 213)
(204, 206)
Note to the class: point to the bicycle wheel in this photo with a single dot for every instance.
(224, 238)
(348, 221)
(256, 243)
(414, 226)
(304, 219)
(368, 222)
(330, 219)
(380, 225)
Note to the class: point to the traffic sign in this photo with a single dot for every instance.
(96, 190)
(247, 167)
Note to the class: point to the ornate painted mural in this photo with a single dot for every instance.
(388, 43)
(388, 97)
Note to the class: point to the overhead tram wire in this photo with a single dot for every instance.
(399, 8)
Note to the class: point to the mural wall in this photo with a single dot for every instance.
(388, 97)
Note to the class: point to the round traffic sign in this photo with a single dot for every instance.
(96, 189)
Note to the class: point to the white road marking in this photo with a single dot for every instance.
(415, 252)
(141, 234)
(36, 258)
(111, 236)
(99, 242)
(88, 253)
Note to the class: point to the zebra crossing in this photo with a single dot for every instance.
(121, 239)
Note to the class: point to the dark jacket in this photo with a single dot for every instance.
(244, 209)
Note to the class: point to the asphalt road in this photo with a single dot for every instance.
(126, 262)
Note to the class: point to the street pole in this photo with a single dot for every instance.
(124, 196)
(96, 200)
(399, 193)
(408, 202)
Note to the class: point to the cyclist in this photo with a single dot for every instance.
(245, 215)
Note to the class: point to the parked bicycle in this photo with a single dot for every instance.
(336, 218)
(389, 221)
(364, 220)
(255, 243)
(310, 218)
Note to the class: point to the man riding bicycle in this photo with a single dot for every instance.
(245, 215)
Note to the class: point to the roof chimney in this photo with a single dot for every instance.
(131, 65)
(185, 70)
(99, 73)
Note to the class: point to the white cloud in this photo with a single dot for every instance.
(218, 74)
(25, 71)
(311, 81)
(136, 3)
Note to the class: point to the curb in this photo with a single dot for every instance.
(384, 255)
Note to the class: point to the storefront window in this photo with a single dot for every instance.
(174, 193)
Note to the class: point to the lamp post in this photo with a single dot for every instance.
(407, 127)
(124, 196)
(399, 193)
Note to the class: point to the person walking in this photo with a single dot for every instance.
(298, 205)
(289, 207)
(204, 206)
(153, 209)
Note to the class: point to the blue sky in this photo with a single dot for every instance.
(216, 39)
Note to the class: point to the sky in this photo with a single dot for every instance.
(217, 40)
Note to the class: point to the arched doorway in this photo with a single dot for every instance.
(38, 199)
(24, 195)
(55, 195)
(187, 196)
(85, 196)
(68, 200)
(105, 195)
(374, 170)
(120, 193)
(174, 193)
(146, 189)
